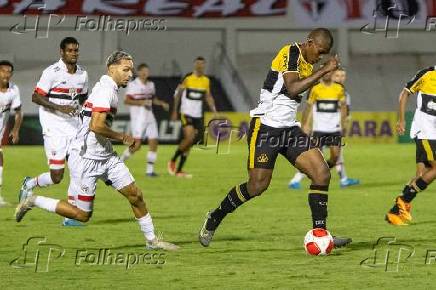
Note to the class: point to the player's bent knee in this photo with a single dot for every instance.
(82, 216)
(321, 175)
(135, 197)
(257, 186)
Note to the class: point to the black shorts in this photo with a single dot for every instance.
(321, 139)
(197, 123)
(265, 143)
(425, 151)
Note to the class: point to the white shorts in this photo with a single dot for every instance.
(144, 128)
(85, 173)
(56, 149)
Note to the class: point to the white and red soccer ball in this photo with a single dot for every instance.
(318, 242)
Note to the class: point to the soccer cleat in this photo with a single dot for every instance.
(205, 236)
(405, 208)
(183, 174)
(152, 174)
(294, 185)
(395, 219)
(171, 166)
(71, 223)
(23, 207)
(350, 182)
(157, 244)
(340, 242)
(403, 216)
(24, 190)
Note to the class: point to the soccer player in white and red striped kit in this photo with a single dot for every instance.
(140, 97)
(59, 91)
(92, 157)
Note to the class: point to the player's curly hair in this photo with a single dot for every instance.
(116, 56)
(66, 41)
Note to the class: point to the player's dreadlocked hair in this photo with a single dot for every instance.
(116, 56)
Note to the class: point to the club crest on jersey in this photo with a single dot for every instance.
(73, 92)
(84, 188)
(262, 158)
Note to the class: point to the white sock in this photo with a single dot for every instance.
(1, 175)
(147, 227)
(42, 180)
(298, 177)
(126, 155)
(49, 204)
(340, 168)
(151, 159)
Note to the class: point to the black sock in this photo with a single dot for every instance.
(176, 155)
(410, 191)
(182, 162)
(318, 199)
(235, 198)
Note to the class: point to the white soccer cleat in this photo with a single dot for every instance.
(23, 207)
(157, 244)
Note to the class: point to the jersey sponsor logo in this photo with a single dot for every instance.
(428, 104)
(194, 94)
(262, 158)
(431, 106)
(327, 106)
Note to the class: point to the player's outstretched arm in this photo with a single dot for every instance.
(44, 101)
(401, 124)
(15, 132)
(296, 86)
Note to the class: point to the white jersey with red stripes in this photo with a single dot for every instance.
(9, 100)
(103, 98)
(61, 88)
(137, 90)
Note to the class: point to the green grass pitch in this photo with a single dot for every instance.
(257, 247)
